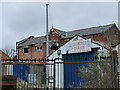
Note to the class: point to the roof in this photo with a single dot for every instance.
(86, 31)
(116, 44)
(35, 40)
(106, 46)
(66, 34)
(24, 40)
(60, 31)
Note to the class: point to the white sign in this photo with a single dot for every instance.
(81, 45)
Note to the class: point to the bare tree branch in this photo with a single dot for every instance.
(9, 52)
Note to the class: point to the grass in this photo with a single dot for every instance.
(24, 84)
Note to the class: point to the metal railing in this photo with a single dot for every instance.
(81, 72)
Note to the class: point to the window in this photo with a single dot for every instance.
(115, 31)
(53, 33)
(25, 50)
(54, 45)
(39, 48)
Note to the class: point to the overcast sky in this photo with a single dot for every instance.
(20, 20)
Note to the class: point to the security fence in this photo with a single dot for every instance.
(29, 75)
(89, 73)
(66, 72)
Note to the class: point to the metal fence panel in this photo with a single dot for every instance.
(67, 72)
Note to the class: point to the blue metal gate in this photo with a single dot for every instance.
(71, 66)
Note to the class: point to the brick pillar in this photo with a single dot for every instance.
(114, 53)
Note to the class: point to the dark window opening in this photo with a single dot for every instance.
(115, 31)
(52, 33)
(54, 47)
(39, 48)
(25, 50)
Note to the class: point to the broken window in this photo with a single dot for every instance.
(39, 48)
(25, 50)
(115, 31)
(54, 45)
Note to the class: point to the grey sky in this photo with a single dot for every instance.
(20, 20)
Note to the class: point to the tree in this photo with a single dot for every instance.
(97, 74)
(9, 52)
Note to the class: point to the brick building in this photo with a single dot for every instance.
(35, 47)
(3, 55)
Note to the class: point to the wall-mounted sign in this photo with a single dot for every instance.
(80, 45)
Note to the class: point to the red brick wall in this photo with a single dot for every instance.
(32, 53)
(114, 53)
(109, 36)
(37, 54)
(99, 37)
(3, 55)
(23, 55)
(114, 35)
(54, 37)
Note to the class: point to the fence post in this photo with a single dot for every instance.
(113, 74)
(114, 68)
(54, 75)
(116, 72)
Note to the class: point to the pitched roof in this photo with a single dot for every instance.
(35, 40)
(66, 34)
(106, 46)
(60, 31)
(86, 31)
(24, 40)
(115, 44)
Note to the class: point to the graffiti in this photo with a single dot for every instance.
(80, 45)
